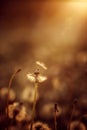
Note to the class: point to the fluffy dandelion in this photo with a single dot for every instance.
(40, 126)
(36, 78)
(17, 111)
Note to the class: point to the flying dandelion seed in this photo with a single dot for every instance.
(41, 64)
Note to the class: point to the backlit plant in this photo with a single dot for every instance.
(37, 78)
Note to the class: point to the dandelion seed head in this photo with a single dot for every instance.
(36, 77)
(39, 78)
(17, 110)
(40, 126)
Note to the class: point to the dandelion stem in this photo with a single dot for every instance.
(9, 86)
(55, 119)
(34, 105)
(55, 122)
(73, 110)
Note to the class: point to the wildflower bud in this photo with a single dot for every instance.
(56, 107)
(18, 70)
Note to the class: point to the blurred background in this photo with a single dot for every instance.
(49, 31)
